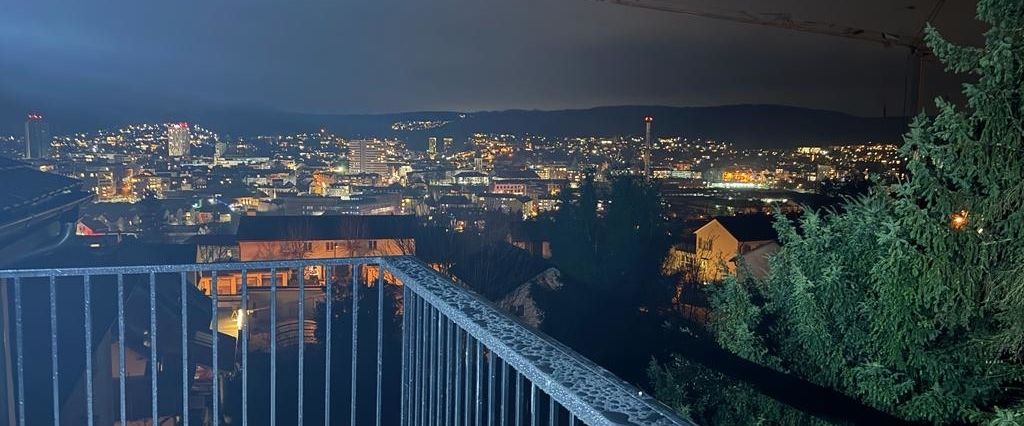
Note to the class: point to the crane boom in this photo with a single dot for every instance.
(780, 20)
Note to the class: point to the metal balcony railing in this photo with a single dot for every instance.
(117, 345)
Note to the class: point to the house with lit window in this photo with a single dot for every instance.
(262, 238)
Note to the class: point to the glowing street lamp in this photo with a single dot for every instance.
(958, 220)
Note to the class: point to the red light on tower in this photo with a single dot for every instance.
(648, 119)
(35, 116)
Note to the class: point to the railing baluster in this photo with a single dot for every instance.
(245, 346)
(432, 367)
(534, 415)
(302, 339)
(468, 373)
(552, 412)
(478, 418)
(154, 394)
(273, 346)
(122, 369)
(449, 373)
(418, 355)
(491, 371)
(504, 393)
(458, 376)
(329, 318)
(380, 336)
(404, 390)
(572, 419)
(355, 340)
(53, 350)
(439, 336)
(519, 399)
(20, 351)
(216, 353)
(87, 308)
(413, 364)
(184, 349)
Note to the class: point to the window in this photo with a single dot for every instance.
(332, 246)
(307, 246)
(373, 244)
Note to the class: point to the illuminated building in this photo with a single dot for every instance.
(727, 241)
(37, 137)
(432, 147)
(367, 156)
(647, 146)
(178, 140)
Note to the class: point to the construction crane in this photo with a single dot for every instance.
(914, 43)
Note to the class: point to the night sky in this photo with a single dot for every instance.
(367, 56)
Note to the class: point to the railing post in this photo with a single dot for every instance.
(449, 372)
(478, 416)
(404, 390)
(302, 341)
(380, 335)
(458, 375)
(273, 346)
(329, 319)
(122, 369)
(491, 359)
(184, 348)
(154, 393)
(216, 353)
(87, 311)
(53, 350)
(431, 336)
(20, 344)
(245, 346)
(356, 269)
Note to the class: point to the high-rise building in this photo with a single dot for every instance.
(106, 183)
(448, 145)
(178, 144)
(647, 146)
(432, 147)
(367, 156)
(37, 137)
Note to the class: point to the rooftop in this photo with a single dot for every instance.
(754, 227)
(341, 227)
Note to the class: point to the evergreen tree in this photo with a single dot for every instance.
(574, 241)
(912, 297)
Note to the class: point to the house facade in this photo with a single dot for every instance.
(726, 242)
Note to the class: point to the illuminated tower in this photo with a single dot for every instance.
(178, 140)
(432, 147)
(37, 137)
(647, 146)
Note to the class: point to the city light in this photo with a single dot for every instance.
(959, 220)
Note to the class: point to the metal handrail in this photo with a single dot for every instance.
(450, 336)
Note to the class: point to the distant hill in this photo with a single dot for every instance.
(743, 125)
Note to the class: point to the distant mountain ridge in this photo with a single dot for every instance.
(744, 125)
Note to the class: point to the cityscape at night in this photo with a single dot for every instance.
(648, 212)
